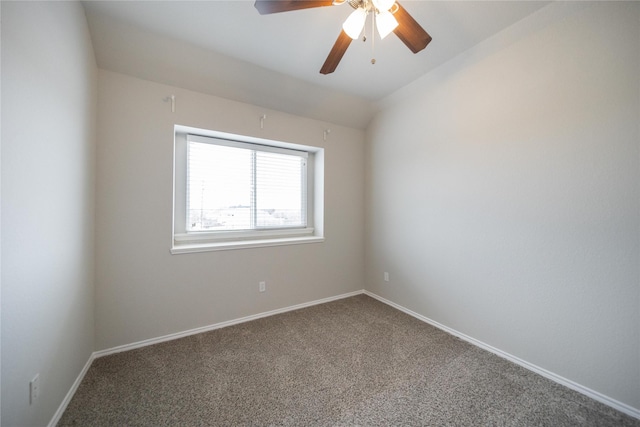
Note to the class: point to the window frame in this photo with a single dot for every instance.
(184, 241)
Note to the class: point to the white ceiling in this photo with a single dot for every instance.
(226, 48)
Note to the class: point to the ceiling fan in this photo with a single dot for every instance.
(388, 15)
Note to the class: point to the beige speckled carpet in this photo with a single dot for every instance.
(350, 362)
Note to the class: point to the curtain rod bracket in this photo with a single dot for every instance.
(171, 98)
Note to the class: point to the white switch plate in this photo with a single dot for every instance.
(386, 276)
(262, 286)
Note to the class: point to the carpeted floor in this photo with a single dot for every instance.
(350, 362)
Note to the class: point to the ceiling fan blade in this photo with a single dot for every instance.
(337, 51)
(409, 31)
(266, 7)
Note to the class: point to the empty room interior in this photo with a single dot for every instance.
(480, 195)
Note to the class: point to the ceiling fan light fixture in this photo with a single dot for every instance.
(383, 5)
(389, 15)
(386, 23)
(355, 23)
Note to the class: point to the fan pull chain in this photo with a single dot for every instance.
(373, 37)
(364, 31)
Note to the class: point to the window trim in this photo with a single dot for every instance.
(203, 241)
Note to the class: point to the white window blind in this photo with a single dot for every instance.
(234, 185)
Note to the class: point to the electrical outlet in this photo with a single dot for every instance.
(262, 286)
(34, 389)
(386, 276)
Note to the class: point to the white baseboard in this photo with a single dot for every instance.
(71, 392)
(202, 329)
(622, 407)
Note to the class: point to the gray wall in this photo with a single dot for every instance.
(144, 292)
(49, 84)
(503, 195)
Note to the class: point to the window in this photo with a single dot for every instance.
(234, 192)
(239, 186)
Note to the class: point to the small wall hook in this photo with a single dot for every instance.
(171, 98)
(262, 119)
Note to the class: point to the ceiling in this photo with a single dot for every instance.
(227, 49)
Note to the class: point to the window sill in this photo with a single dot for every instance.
(242, 244)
